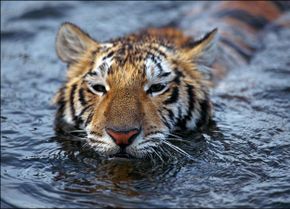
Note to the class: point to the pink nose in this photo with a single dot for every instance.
(123, 138)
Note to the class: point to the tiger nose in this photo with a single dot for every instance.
(123, 138)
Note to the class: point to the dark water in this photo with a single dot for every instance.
(241, 161)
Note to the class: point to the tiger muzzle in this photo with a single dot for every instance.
(123, 138)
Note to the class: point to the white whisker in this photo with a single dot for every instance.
(177, 149)
(85, 145)
(156, 153)
(164, 151)
(78, 131)
(177, 139)
(180, 137)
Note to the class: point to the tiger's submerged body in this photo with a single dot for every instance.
(131, 94)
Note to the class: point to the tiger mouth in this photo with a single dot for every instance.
(122, 154)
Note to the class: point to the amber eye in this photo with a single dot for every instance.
(99, 88)
(156, 88)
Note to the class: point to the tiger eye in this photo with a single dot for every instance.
(99, 88)
(156, 88)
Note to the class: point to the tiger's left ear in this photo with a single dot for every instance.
(72, 42)
(203, 51)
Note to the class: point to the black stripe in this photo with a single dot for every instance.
(179, 112)
(60, 111)
(83, 111)
(61, 96)
(157, 63)
(110, 70)
(79, 119)
(93, 56)
(89, 119)
(72, 108)
(109, 55)
(170, 114)
(82, 97)
(61, 106)
(103, 67)
(165, 74)
(174, 96)
(164, 120)
(196, 43)
(62, 93)
(93, 73)
(190, 99)
(190, 94)
(89, 91)
(257, 22)
(245, 54)
(152, 56)
(94, 53)
(159, 67)
(282, 5)
(178, 75)
(160, 52)
(205, 107)
(154, 59)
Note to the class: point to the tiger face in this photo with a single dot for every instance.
(129, 95)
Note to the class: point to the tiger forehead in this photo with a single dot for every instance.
(135, 52)
(131, 57)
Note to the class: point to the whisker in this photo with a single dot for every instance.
(78, 131)
(73, 138)
(171, 134)
(156, 153)
(177, 139)
(177, 149)
(149, 154)
(160, 151)
(165, 151)
(85, 145)
(180, 137)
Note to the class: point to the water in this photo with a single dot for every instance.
(242, 160)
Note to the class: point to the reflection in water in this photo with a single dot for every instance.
(81, 171)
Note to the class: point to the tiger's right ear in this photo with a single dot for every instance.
(203, 51)
(72, 42)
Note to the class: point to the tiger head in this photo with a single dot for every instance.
(129, 95)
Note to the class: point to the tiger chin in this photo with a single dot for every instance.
(130, 95)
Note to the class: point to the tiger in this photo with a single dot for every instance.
(130, 94)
